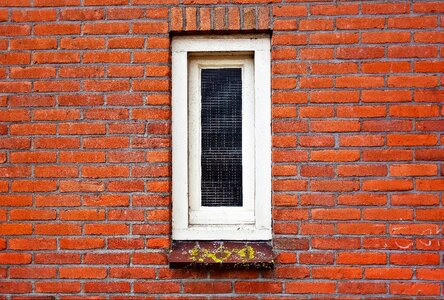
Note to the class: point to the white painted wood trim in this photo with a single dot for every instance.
(179, 142)
(263, 139)
(182, 47)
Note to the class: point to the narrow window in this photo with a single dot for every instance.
(221, 139)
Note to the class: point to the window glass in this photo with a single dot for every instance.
(221, 129)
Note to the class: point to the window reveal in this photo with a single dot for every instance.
(221, 129)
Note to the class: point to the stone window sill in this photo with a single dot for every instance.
(221, 255)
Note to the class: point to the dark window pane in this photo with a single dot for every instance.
(221, 120)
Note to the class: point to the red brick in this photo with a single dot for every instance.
(15, 58)
(31, 214)
(385, 8)
(15, 30)
(416, 288)
(207, 287)
(334, 126)
(316, 24)
(340, 9)
(414, 259)
(82, 272)
(292, 272)
(333, 39)
(289, 39)
(15, 87)
(33, 186)
(133, 272)
(15, 287)
(33, 43)
(150, 27)
(56, 86)
(289, 97)
(57, 287)
(82, 215)
(411, 140)
(387, 185)
(428, 154)
(286, 258)
(79, 100)
(106, 229)
(56, 29)
(316, 82)
(16, 200)
(387, 155)
(430, 274)
(82, 243)
(57, 200)
(436, 214)
(317, 229)
(357, 258)
(337, 273)
(387, 214)
(361, 140)
(281, 25)
(316, 111)
(316, 171)
(32, 273)
(360, 53)
(284, 199)
(335, 155)
(414, 229)
(414, 200)
(430, 184)
(310, 287)
(74, 14)
(335, 243)
(386, 95)
(244, 287)
(315, 258)
(106, 258)
(361, 228)
(57, 258)
(78, 72)
(412, 22)
(336, 214)
(412, 81)
(365, 288)
(413, 170)
(134, 215)
(15, 258)
(414, 111)
(362, 170)
(334, 185)
(106, 200)
(334, 96)
(108, 287)
(57, 229)
(317, 199)
(334, 68)
(283, 54)
(429, 37)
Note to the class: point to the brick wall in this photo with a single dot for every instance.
(85, 148)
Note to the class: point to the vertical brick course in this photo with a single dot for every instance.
(85, 148)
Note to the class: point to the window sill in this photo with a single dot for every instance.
(221, 255)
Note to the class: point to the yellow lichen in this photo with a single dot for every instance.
(246, 253)
(221, 254)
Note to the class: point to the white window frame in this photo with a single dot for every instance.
(190, 220)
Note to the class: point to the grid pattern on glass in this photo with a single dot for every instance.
(221, 122)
